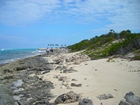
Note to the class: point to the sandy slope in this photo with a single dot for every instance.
(100, 77)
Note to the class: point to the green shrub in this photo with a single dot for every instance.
(137, 57)
(102, 46)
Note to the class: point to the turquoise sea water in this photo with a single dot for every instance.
(8, 55)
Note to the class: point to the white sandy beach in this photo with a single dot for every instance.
(99, 77)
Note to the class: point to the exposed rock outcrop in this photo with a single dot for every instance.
(123, 102)
(131, 99)
(5, 98)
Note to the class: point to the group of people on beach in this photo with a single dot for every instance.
(49, 50)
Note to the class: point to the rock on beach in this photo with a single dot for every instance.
(67, 98)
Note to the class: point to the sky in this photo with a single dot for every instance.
(37, 23)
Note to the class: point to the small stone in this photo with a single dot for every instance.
(85, 101)
(63, 78)
(74, 79)
(69, 70)
(76, 85)
(104, 96)
(115, 89)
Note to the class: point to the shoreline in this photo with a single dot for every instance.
(8, 56)
(58, 71)
(21, 70)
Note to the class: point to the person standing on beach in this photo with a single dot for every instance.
(47, 51)
(51, 50)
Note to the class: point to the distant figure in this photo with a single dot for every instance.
(51, 49)
(47, 51)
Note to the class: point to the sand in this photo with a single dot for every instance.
(100, 77)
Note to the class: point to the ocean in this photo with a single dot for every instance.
(9, 55)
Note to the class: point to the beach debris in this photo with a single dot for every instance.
(67, 98)
(76, 85)
(86, 101)
(104, 96)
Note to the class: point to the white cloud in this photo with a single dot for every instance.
(25, 11)
(125, 16)
(119, 13)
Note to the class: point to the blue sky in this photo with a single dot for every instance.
(37, 23)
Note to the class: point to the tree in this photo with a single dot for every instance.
(112, 31)
(125, 34)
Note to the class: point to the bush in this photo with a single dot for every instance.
(102, 46)
(137, 57)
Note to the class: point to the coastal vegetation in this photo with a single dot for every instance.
(110, 44)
